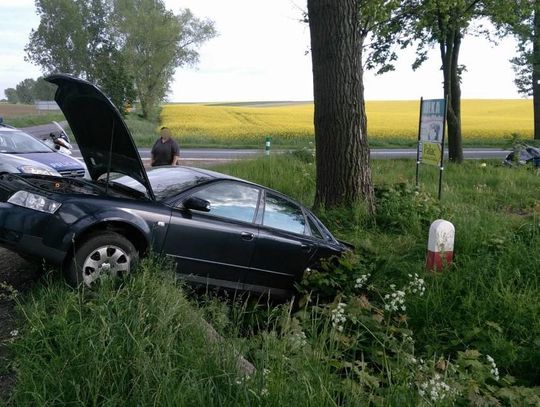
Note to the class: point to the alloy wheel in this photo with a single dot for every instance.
(105, 261)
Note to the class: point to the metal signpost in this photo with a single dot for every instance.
(431, 132)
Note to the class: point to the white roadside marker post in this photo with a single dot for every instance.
(440, 245)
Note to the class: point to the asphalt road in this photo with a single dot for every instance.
(223, 155)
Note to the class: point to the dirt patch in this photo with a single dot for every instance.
(9, 110)
(16, 276)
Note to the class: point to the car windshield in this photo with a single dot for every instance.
(167, 182)
(17, 142)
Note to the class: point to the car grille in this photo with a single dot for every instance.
(72, 173)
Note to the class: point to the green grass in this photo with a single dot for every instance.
(144, 131)
(494, 282)
(34, 119)
(140, 343)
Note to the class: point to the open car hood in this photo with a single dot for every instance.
(101, 134)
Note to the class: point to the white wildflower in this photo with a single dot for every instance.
(338, 316)
(435, 389)
(361, 281)
(416, 285)
(494, 370)
(14, 333)
(395, 301)
(242, 380)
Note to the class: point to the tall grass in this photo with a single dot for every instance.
(488, 299)
(142, 343)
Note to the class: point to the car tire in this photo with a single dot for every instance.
(101, 254)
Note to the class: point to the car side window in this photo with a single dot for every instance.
(231, 200)
(314, 229)
(282, 214)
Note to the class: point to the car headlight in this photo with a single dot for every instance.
(30, 169)
(34, 201)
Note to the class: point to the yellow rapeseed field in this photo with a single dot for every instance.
(293, 123)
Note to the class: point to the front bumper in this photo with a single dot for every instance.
(30, 233)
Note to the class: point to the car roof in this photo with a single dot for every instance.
(214, 175)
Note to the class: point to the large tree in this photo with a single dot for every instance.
(77, 37)
(343, 166)
(124, 46)
(444, 24)
(156, 42)
(25, 91)
(522, 19)
(11, 95)
(43, 90)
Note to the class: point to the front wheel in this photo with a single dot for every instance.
(104, 254)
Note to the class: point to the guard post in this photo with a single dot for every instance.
(267, 145)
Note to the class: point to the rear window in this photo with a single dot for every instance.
(167, 182)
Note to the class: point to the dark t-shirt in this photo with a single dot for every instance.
(163, 153)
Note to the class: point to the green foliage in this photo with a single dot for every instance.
(29, 90)
(127, 48)
(77, 37)
(25, 90)
(306, 155)
(380, 21)
(156, 42)
(518, 18)
(403, 208)
(11, 95)
(43, 90)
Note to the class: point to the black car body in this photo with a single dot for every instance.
(220, 230)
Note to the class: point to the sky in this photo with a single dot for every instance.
(261, 53)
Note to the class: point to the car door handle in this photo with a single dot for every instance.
(247, 236)
(306, 247)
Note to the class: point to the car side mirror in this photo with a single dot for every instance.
(197, 204)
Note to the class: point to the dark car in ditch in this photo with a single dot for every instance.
(220, 230)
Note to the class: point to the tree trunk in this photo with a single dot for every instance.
(536, 71)
(343, 167)
(455, 145)
(452, 91)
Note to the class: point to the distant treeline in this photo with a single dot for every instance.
(30, 90)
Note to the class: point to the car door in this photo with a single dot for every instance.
(284, 246)
(215, 247)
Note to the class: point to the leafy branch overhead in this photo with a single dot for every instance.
(129, 48)
(521, 18)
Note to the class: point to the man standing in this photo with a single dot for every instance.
(165, 150)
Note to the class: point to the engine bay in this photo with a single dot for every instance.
(61, 185)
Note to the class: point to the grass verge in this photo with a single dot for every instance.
(34, 119)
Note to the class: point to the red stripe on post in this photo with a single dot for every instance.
(436, 261)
